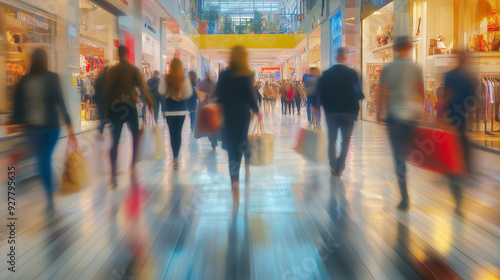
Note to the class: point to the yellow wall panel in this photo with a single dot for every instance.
(250, 41)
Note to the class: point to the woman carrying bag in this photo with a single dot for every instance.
(236, 94)
(176, 90)
(38, 99)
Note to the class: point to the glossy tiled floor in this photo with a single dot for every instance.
(293, 221)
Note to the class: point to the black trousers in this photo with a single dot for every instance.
(297, 103)
(344, 122)
(175, 124)
(235, 152)
(120, 114)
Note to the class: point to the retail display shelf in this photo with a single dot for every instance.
(381, 48)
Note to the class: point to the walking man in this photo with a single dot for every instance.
(339, 93)
(153, 83)
(121, 104)
(402, 94)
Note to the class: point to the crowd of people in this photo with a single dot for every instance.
(337, 91)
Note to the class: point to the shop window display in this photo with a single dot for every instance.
(98, 45)
(23, 31)
(378, 30)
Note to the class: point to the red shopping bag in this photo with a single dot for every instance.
(209, 118)
(437, 150)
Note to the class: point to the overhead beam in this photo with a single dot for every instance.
(250, 41)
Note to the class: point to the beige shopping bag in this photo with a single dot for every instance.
(261, 146)
(75, 176)
(159, 143)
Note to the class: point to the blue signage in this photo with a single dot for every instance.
(335, 35)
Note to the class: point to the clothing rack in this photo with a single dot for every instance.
(490, 84)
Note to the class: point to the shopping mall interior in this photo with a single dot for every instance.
(178, 215)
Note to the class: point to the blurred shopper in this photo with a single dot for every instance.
(236, 95)
(297, 96)
(290, 98)
(207, 89)
(100, 88)
(268, 97)
(176, 90)
(402, 93)
(121, 103)
(459, 90)
(257, 90)
(340, 92)
(38, 99)
(283, 95)
(193, 100)
(310, 80)
(153, 84)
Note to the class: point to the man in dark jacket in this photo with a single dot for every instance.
(121, 104)
(340, 92)
(100, 88)
(155, 94)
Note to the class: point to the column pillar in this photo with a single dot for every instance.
(67, 52)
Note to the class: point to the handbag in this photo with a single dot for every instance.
(438, 150)
(312, 143)
(209, 118)
(261, 146)
(75, 176)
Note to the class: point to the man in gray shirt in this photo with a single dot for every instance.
(402, 93)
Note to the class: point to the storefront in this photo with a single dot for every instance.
(24, 29)
(150, 45)
(439, 28)
(377, 36)
(99, 39)
(314, 48)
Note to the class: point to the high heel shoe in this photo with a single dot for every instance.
(176, 163)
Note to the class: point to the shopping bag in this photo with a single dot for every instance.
(437, 150)
(209, 118)
(147, 141)
(159, 144)
(261, 146)
(75, 176)
(312, 144)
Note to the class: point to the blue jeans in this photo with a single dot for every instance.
(43, 141)
(400, 133)
(344, 122)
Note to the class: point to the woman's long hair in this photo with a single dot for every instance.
(238, 62)
(175, 79)
(39, 62)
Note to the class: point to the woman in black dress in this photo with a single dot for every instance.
(235, 93)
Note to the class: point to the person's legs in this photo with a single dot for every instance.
(332, 123)
(456, 191)
(133, 125)
(192, 117)
(117, 126)
(397, 138)
(43, 142)
(297, 103)
(156, 109)
(346, 126)
(175, 124)
(234, 155)
(309, 116)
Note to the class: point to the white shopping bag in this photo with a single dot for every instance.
(159, 144)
